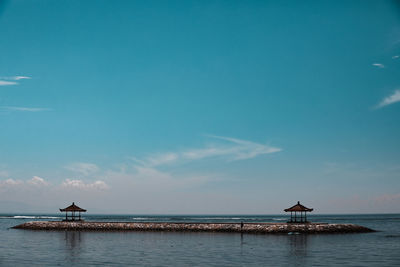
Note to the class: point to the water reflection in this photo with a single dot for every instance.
(297, 248)
(73, 244)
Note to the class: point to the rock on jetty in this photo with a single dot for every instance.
(256, 228)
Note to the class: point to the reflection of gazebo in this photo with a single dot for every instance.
(73, 208)
(298, 208)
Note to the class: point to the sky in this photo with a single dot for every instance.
(200, 107)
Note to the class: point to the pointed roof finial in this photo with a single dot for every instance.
(298, 202)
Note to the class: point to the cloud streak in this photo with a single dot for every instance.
(5, 83)
(24, 109)
(83, 168)
(35, 181)
(10, 182)
(389, 100)
(17, 78)
(231, 149)
(378, 65)
(79, 184)
(38, 182)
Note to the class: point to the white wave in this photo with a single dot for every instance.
(279, 219)
(140, 218)
(29, 217)
(218, 218)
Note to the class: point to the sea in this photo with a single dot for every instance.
(72, 248)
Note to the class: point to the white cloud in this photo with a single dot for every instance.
(379, 65)
(79, 184)
(24, 109)
(393, 98)
(17, 78)
(246, 149)
(161, 159)
(83, 168)
(4, 83)
(37, 181)
(11, 182)
(231, 149)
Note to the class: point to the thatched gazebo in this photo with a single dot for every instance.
(73, 208)
(298, 208)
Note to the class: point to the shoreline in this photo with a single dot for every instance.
(256, 228)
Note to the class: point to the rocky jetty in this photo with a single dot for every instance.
(257, 228)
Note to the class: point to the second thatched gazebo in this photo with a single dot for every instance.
(73, 208)
(298, 208)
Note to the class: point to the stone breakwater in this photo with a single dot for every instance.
(256, 228)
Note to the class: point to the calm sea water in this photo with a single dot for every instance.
(69, 248)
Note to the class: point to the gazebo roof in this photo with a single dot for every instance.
(298, 207)
(73, 207)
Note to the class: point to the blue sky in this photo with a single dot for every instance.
(200, 106)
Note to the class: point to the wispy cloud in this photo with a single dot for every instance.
(83, 168)
(244, 149)
(230, 149)
(393, 98)
(5, 83)
(79, 184)
(37, 181)
(160, 159)
(378, 65)
(10, 182)
(17, 78)
(26, 109)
